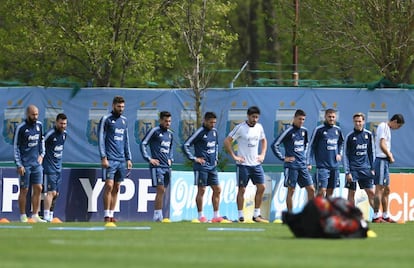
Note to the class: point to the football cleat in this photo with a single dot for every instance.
(260, 219)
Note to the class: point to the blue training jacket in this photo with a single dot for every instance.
(113, 138)
(326, 142)
(359, 151)
(205, 144)
(160, 141)
(54, 144)
(295, 142)
(28, 144)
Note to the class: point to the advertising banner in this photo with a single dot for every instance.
(143, 106)
(81, 197)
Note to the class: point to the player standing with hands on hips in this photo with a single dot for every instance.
(205, 158)
(115, 154)
(29, 150)
(160, 158)
(52, 164)
(249, 135)
(384, 157)
(295, 141)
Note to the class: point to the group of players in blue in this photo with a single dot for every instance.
(365, 161)
(37, 155)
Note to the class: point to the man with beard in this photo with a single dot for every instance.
(52, 165)
(249, 135)
(159, 139)
(326, 145)
(205, 158)
(29, 151)
(113, 140)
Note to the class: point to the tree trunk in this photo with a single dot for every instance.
(254, 36)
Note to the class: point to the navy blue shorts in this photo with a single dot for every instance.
(301, 177)
(382, 171)
(364, 178)
(246, 173)
(53, 181)
(160, 176)
(206, 177)
(116, 171)
(33, 175)
(327, 178)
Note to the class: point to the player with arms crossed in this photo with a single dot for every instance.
(359, 160)
(115, 154)
(249, 135)
(205, 158)
(295, 142)
(384, 157)
(160, 158)
(52, 164)
(326, 146)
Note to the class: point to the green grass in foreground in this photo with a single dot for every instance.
(187, 244)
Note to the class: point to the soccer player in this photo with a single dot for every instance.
(205, 158)
(383, 158)
(326, 146)
(29, 151)
(160, 158)
(249, 135)
(52, 164)
(113, 140)
(359, 160)
(295, 142)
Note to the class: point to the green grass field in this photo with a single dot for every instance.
(187, 244)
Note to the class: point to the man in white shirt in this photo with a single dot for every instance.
(249, 134)
(384, 157)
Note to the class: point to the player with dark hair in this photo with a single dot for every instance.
(326, 146)
(115, 154)
(295, 141)
(384, 157)
(249, 135)
(29, 150)
(52, 164)
(205, 158)
(359, 160)
(160, 158)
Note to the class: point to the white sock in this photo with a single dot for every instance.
(158, 214)
(216, 214)
(241, 213)
(46, 214)
(385, 215)
(200, 214)
(106, 213)
(51, 215)
(111, 213)
(377, 215)
(256, 212)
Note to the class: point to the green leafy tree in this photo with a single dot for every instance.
(375, 32)
(205, 40)
(111, 43)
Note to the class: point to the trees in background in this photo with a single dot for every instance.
(127, 43)
(205, 39)
(105, 42)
